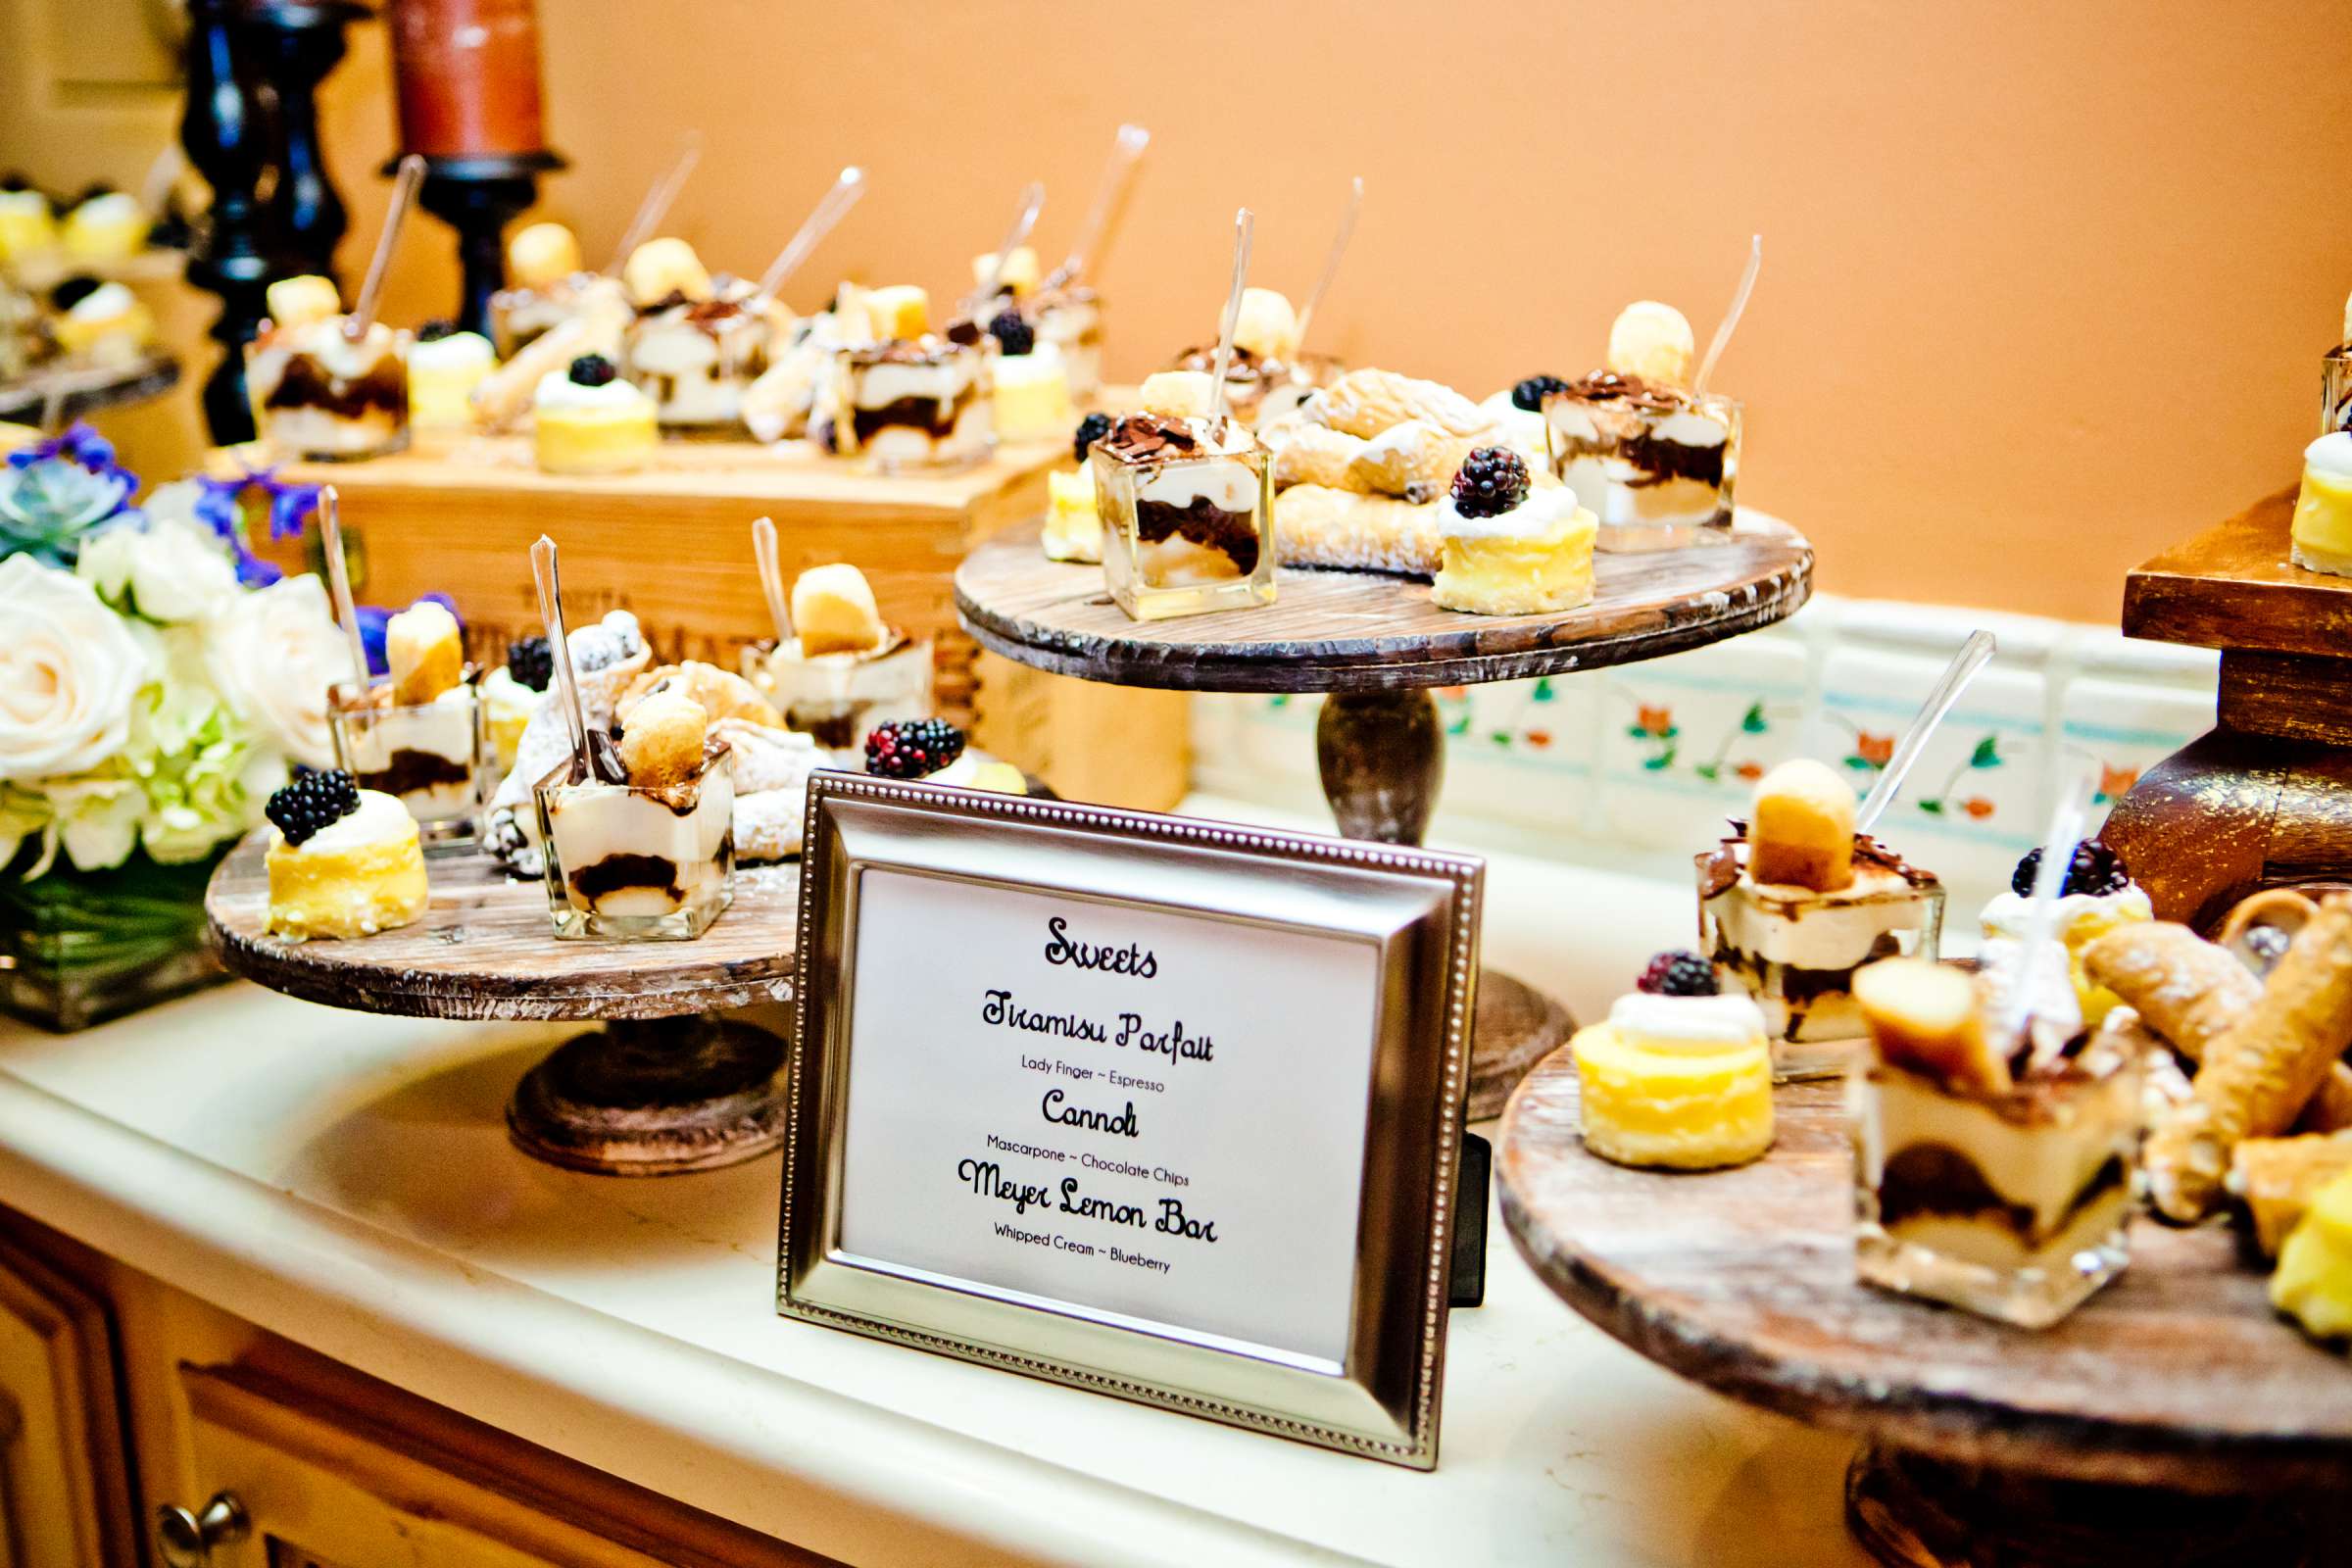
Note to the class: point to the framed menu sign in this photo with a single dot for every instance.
(1160, 1108)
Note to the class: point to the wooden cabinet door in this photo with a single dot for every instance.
(385, 1480)
(64, 1474)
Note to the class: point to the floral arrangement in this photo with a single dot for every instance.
(157, 680)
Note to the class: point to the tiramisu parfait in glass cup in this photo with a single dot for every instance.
(647, 853)
(1186, 505)
(418, 733)
(320, 390)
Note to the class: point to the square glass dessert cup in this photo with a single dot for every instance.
(2335, 390)
(1796, 950)
(434, 758)
(2015, 1205)
(914, 403)
(1185, 534)
(626, 863)
(1659, 467)
(319, 394)
(836, 699)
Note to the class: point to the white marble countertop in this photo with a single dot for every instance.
(345, 1180)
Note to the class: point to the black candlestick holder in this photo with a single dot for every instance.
(293, 44)
(478, 197)
(224, 134)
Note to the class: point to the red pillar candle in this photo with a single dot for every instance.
(468, 76)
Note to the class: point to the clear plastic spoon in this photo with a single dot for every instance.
(1126, 153)
(372, 292)
(1973, 657)
(1731, 318)
(1244, 222)
(656, 204)
(771, 576)
(2040, 932)
(1024, 219)
(338, 579)
(1339, 248)
(820, 222)
(593, 762)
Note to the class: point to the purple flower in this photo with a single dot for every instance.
(79, 445)
(220, 507)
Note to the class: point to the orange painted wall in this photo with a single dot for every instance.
(2045, 284)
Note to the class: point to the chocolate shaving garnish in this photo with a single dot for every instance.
(1143, 437)
(1607, 386)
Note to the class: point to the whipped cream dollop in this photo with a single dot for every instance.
(1543, 512)
(103, 303)
(2052, 1006)
(558, 390)
(458, 351)
(2005, 915)
(1643, 1017)
(114, 207)
(380, 820)
(2330, 456)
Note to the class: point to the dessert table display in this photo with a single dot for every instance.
(665, 1086)
(1374, 643)
(2171, 1419)
(456, 514)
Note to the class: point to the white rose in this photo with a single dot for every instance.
(99, 819)
(273, 654)
(70, 669)
(168, 571)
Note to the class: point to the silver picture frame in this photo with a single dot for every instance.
(1418, 910)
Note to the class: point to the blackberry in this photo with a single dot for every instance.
(911, 748)
(314, 800)
(1531, 393)
(434, 330)
(1012, 335)
(1091, 429)
(2094, 869)
(965, 332)
(1491, 481)
(72, 292)
(593, 370)
(532, 662)
(1678, 974)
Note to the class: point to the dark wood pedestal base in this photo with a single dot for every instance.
(653, 1097)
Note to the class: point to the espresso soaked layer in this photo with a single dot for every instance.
(411, 770)
(1936, 1181)
(936, 417)
(625, 873)
(1233, 534)
(305, 384)
(1661, 460)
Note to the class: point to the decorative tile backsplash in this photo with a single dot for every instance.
(1635, 768)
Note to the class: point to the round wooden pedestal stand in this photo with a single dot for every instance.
(78, 394)
(663, 1086)
(2173, 1420)
(1376, 644)
(2265, 798)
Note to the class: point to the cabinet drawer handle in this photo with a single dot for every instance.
(186, 1539)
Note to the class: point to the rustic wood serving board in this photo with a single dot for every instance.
(485, 949)
(1338, 631)
(2177, 1374)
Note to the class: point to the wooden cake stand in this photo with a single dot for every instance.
(2265, 798)
(665, 1086)
(2171, 1420)
(79, 393)
(1376, 646)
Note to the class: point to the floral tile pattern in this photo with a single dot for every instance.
(1637, 767)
